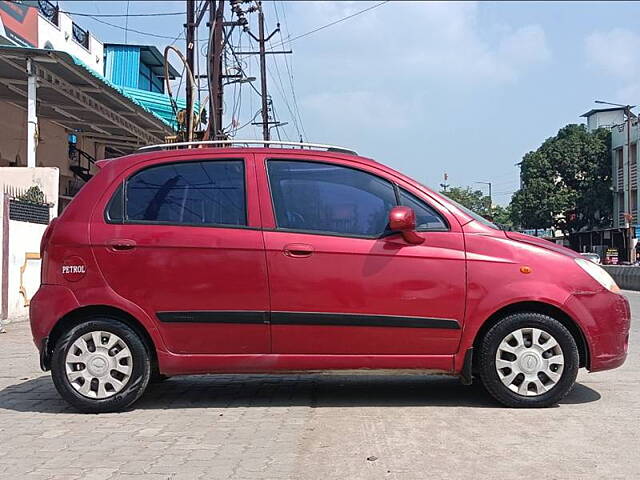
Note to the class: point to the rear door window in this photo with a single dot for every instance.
(185, 193)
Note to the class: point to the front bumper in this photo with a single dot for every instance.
(605, 321)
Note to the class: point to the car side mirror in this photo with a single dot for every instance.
(403, 220)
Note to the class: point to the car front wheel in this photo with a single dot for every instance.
(101, 365)
(528, 360)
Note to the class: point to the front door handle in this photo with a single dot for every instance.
(120, 244)
(298, 250)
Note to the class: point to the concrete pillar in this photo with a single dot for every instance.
(32, 117)
(4, 256)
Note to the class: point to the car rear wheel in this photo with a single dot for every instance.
(528, 360)
(101, 365)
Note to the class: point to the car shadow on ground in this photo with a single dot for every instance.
(316, 391)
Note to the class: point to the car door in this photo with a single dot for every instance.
(181, 239)
(340, 282)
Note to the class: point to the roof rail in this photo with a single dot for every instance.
(301, 145)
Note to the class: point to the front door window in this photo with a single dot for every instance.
(330, 199)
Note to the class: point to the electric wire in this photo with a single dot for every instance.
(120, 15)
(280, 86)
(139, 32)
(286, 63)
(288, 40)
(330, 24)
(191, 81)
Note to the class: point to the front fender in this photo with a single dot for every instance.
(484, 302)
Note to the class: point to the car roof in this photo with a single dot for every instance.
(184, 153)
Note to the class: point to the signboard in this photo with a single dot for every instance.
(611, 256)
(20, 23)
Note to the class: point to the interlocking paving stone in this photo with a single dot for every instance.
(298, 427)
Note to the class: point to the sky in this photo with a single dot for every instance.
(425, 87)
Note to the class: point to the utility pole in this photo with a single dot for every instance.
(631, 251)
(263, 75)
(262, 51)
(190, 38)
(216, 22)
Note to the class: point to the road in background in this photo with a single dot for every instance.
(317, 427)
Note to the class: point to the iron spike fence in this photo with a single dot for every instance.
(27, 206)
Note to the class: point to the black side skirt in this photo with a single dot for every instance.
(307, 318)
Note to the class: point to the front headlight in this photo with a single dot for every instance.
(599, 274)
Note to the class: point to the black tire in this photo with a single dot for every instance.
(489, 348)
(158, 378)
(136, 384)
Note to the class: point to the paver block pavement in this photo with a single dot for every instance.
(316, 427)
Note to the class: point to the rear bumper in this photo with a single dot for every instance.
(45, 355)
(48, 305)
(605, 319)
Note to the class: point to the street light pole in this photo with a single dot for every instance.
(490, 196)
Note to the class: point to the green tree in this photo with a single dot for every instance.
(33, 195)
(472, 199)
(479, 203)
(502, 215)
(565, 183)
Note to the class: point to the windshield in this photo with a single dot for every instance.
(472, 214)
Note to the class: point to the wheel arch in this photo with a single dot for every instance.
(81, 314)
(544, 309)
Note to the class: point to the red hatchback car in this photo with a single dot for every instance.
(270, 260)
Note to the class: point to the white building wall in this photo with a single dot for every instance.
(24, 266)
(61, 38)
(23, 255)
(605, 119)
(620, 178)
(22, 178)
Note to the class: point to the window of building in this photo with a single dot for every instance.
(619, 158)
(147, 80)
(189, 193)
(320, 197)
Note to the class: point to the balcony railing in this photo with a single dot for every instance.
(80, 35)
(634, 221)
(620, 180)
(49, 11)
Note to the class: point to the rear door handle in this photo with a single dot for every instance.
(120, 244)
(298, 250)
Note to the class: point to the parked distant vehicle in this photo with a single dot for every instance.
(594, 257)
(272, 260)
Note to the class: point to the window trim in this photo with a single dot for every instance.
(385, 234)
(114, 194)
(123, 186)
(447, 227)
